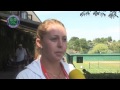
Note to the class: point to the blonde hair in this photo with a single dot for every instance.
(42, 30)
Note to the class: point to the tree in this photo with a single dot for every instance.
(74, 38)
(74, 44)
(84, 45)
(109, 39)
(99, 48)
(115, 47)
(100, 40)
(112, 14)
(90, 44)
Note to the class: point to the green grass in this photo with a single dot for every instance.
(99, 66)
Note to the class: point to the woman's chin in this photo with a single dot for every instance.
(58, 58)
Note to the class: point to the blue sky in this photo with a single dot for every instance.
(89, 27)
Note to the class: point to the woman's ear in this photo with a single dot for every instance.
(38, 42)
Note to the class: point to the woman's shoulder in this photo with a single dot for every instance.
(68, 67)
(27, 73)
(24, 74)
(68, 64)
(71, 65)
(31, 71)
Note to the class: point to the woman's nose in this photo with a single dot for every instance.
(60, 43)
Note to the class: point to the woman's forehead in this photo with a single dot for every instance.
(55, 27)
(57, 32)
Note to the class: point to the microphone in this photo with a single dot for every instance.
(76, 74)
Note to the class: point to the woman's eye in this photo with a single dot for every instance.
(64, 39)
(54, 39)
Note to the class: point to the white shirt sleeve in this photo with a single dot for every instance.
(71, 67)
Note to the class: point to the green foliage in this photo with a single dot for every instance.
(112, 14)
(83, 43)
(110, 52)
(91, 52)
(82, 46)
(99, 48)
(115, 47)
(109, 39)
(101, 40)
(74, 44)
(74, 38)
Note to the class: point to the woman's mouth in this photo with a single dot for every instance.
(59, 53)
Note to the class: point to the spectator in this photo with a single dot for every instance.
(20, 57)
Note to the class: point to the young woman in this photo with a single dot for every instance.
(51, 44)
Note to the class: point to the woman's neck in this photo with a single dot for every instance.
(54, 69)
(50, 65)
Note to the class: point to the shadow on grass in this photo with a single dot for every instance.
(103, 76)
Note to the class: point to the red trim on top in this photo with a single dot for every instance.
(46, 74)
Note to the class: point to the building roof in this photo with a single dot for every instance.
(26, 25)
(35, 17)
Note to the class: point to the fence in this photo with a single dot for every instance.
(92, 57)
(96, 63)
